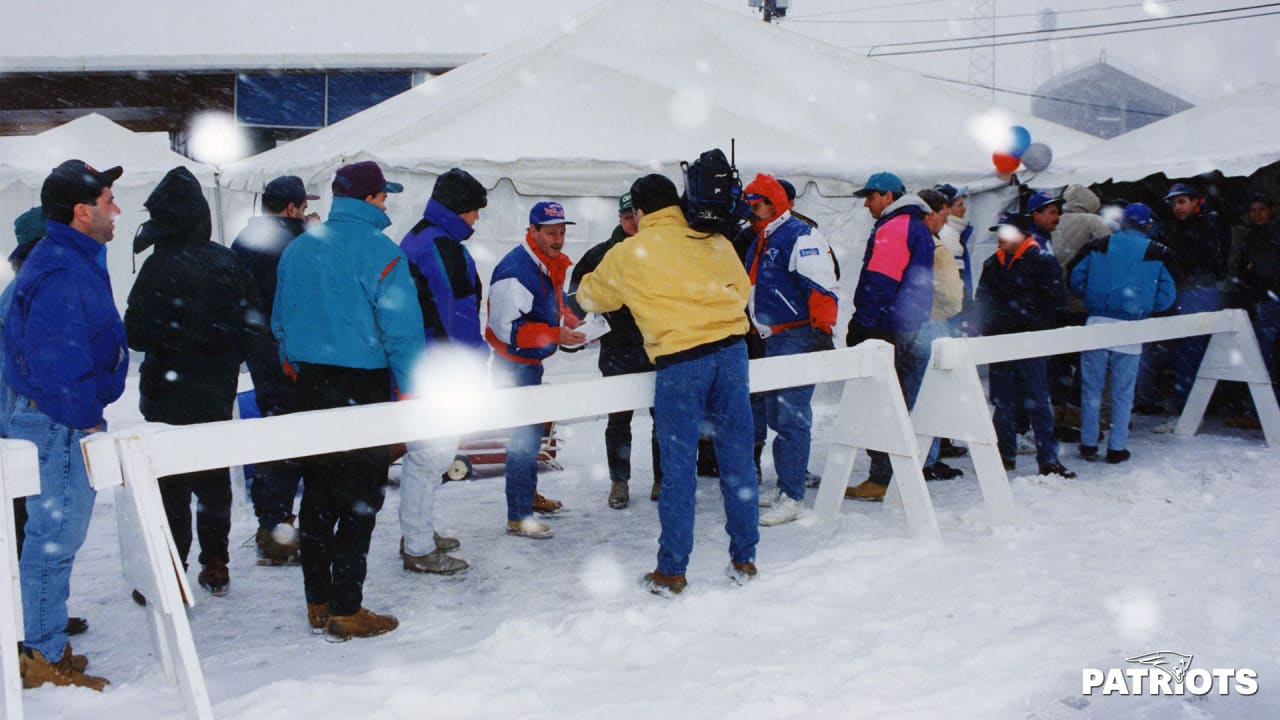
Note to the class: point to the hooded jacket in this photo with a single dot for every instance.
(1020, 291)
(895, 286)
(191, 309)
(445, 276)
(1079, 225)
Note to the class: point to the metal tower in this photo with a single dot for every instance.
(982, 60)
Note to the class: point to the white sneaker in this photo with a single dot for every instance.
(784, 510)
(1027, 443)
(769, 496)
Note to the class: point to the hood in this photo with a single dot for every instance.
(179, 212)
(1080, 199)
(906, 201)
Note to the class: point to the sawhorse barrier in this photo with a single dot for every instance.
(952, 404)
(132, 460)
(19, 477)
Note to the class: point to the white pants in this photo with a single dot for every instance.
(424, 463)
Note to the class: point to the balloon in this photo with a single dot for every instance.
(1037, 157)
(1019, 141)
(1005, 163)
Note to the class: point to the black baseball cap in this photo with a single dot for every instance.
(289, 189)
(75, 182)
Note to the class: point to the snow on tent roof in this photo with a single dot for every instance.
(146, 157)
(635, 87)
(1235, 135)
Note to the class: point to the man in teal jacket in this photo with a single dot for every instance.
(347, 318)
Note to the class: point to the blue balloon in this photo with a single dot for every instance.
(1020, 138)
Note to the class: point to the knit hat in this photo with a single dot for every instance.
(458, 191)
(29, 226)
(653, 192)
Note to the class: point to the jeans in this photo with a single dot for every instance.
(1188, 352)
(212, 489)
(343, 493)
(922, 351)
(57, 524)
(523, 443)
(708, 382)
(904, 343)
(424, 462)
(1093, 374)
(1003, 380)
(789, 412)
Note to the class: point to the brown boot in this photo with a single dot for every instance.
(741, 573)
(215, 578)
(37, 671)
(278, 546)
(363, 624)
(318, 616)
(619, 494)
(546, 505)
(868, 491)
(662, 584)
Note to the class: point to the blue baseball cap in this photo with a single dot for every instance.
(1182, 189)
(1018, 220)
(951, 192)
(1136, 215)
(1042, 200)
(548, 212)
(882, 182)
(288, 188)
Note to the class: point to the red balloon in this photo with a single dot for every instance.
(1005, 162)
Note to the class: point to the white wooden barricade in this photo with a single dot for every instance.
(19, 477)
(952, 404)
(133, 459)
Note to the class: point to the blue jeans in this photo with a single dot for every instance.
(1093, 376)
(523, 443)
(57, 524)
(1003, 380)
(693, 385)
(922, 351)
(1188, 352)
(789, 412)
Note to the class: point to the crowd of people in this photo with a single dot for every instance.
(334, 313)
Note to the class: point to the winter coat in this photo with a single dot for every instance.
(1020, 292)
(895, 286)
(1079, 225)
(793, 278)
(956, 234)
(1256, 263)
(622, 348)
(1124, 277)
(685, 288)
(191, 310)
(1200, 248)
(64, 342)
(948, 287)
(445, 275)
(258, 248)
(526, 304)
(344, 296)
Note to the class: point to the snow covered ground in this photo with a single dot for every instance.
(1173, 551)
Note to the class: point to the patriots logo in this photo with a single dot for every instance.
(1176, 664)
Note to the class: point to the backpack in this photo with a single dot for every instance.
(713, 192)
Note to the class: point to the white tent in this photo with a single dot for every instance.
(1235, 135)
(634, 88)
(26, 160)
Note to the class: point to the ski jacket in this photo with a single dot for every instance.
(895, 286)
(445, 276)
(1020, 291)
(1124, 277)
(1200, 248)
(526, 304)
(793, 278)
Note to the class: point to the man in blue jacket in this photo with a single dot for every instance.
(449, 295)
(65, 359)
(349, 329)
(1122, 277)
(894, 294)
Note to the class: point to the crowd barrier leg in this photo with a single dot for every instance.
(1233, 356)
(19, 477)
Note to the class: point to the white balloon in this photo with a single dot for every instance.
(1037, 157)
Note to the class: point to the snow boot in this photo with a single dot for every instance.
(436, 562)
(529, 527)
(36, 670)
(546, 505)
(278, 546)
(215, 578)
(663, 584)
(741, 573)
(443, 544)
(364, 623)
(317, 617)
(619, 494)
(868, 491)
(1115, 457)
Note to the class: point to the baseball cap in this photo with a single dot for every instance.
(882, 182)
(624, 202)
(362, 179)
(548, 212)
(1042, 200)
(75, 182)
(1182, 189)
(951, 192)
(1018, 220)
(1136, 214)
(288, 188)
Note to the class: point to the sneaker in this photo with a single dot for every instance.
(1026, 443)
(664, 585)
(317, 617)
(741, 573)
(1056, 468)
(436, 562)
(36, 670)
(811, 480)
(77, 626)
(619, 494)
(215, 578)
(942, 471)
(868, 491)
(443, 544)
(363, 624)
(657, 488)
(546, 505)
(1115, 457)
(782, 511)
(278, 546)
(948, 449)
(1089, 452)
(769, 496)
(529, 527)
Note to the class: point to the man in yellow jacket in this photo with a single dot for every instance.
(688, 292)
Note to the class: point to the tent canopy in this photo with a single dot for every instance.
(634, 87)
(1235, 135)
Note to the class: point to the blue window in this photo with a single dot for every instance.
(349, 93)
(281, 100)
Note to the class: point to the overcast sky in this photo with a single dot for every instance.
(1199, 62)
